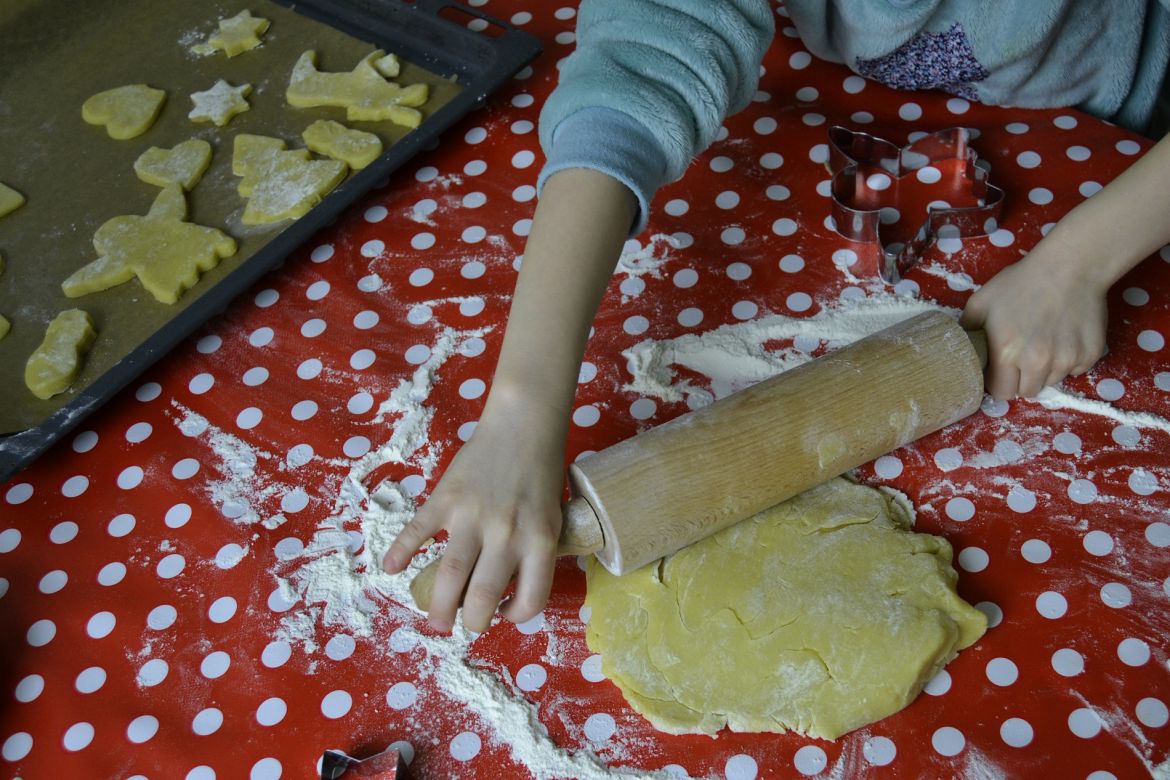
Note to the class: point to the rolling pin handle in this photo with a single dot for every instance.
(580, 535)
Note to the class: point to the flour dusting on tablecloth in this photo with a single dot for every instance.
(735, 356)
(338, 582)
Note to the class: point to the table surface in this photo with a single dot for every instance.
(146, 632)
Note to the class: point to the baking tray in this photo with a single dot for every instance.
(57, 53)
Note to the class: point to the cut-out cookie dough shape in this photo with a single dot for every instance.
(388, 66)
(4, 324)
(356, 148)
(54, 364)
(183, 164)
(236, 35)
(127, 112)
(10, 200)
(220, 103)
(837, 616)
(364, 92)
(164, 252)
(280, 183)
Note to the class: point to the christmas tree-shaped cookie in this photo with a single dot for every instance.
(280, 183)
(165, 252)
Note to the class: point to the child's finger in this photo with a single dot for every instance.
(533, 584)
(1032, 380)
(1004, 380)
(458, 561)
(493, 572)
(425, 524)
(974, 315)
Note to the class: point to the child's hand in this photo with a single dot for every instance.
(499, 501)
(1044, 321)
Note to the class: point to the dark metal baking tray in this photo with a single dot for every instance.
(434, 48)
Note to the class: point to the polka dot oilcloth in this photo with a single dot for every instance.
(138, 559)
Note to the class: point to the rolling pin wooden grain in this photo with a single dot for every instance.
(675, 484)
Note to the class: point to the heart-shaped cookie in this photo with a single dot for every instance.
(183, 165)
(126, 111)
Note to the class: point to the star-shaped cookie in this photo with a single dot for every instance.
(220, 103)
(235, 35)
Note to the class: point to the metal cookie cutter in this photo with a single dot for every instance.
(387, 765)
(857, 161)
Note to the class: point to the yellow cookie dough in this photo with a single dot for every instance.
(54, 364)
(220, 103)
(235, 35)
(388, 66)
(184, 164)
(280, 183)
(356, 148)
(4, 324)
(819, 615)
(10, 200)
(166, 253)
(126, 112)
(364, 92)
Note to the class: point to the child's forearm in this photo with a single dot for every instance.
(1124, 223)
(577, 234)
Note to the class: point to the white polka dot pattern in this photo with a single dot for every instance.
(211, 473)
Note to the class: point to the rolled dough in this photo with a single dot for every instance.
(127, 112)
(54, 364)
(236, 35)
(10, 199)
(184, 164)
(364, 92)
(355, 148)
(819, 615)
(162, 249)
(280, 183)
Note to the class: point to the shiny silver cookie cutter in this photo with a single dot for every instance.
(852, 159)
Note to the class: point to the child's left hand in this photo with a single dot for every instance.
(1044, 321)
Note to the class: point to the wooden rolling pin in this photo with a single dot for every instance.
(670, 486)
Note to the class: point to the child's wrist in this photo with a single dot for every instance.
(1073, 252)
(522, 408)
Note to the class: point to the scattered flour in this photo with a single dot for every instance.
(340, 582)
(956, 280)
(1055, 398)
(422, 215)
(239, 493)
(734, 356)
(650, 258)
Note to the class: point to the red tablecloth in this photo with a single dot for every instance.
(142, 625)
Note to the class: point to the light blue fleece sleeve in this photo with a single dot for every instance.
(649, 86)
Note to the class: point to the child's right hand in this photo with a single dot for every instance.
(499, 502)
